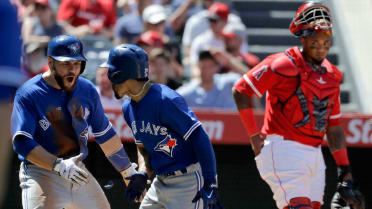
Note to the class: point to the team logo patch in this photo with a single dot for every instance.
(44, 123)
(74, 48)
(166, 145)
(258, 74)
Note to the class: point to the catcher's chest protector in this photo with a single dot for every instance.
(311, 104)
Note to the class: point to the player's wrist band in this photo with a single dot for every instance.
(119, 159)
(341, 157)
(247, 117)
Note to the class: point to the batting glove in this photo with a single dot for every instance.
(70, 170)
(347, 194)
(209, 195)
(136, 186)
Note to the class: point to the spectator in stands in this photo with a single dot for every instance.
(104, 88)
(198, 24)
(34, 60)
(149, 40)
(234, 37)
(129, 26)
(87, 17)
(41, 27)
(180, 11)
(155, 18)
(212, 90)
(212, 37)
(25, 8)
(161, 70)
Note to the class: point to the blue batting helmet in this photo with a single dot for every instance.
(126, 61)
(67, 48)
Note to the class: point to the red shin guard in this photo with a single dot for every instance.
(316, 205)
(299, 203)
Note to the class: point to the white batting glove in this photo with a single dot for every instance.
(129, 171)
(70, 170)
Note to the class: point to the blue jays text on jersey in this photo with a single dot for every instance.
(163, 122)
(33, 100)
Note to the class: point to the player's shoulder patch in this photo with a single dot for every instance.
(283, 65)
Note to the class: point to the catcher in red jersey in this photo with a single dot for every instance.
(302, 106)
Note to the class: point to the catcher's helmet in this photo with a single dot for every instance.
(310, 18)
(67, 48)
(126, 61)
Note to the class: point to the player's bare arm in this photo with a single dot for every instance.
(144, 160)
(244, 102)
(336, 141)
(336, 138)
(40, 157)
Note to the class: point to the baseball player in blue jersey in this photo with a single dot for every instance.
(50, 120)
(170, 139)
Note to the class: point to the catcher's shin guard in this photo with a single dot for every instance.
(299, 203)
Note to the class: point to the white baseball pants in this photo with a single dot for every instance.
(291, 169)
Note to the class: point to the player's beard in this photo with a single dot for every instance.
(60, 82)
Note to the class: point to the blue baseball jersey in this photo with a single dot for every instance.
(163, 122)
(35, 97)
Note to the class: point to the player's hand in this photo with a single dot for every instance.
(257, 143)
(136, 187)
(127, 173)
(70, 170)
(209, 195)
(76, 112)
(347, 194)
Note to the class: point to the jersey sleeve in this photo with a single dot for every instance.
(334, 118)
(102, 129)
(66, 10)
(258, 80)
(178, 116)
(23, 121)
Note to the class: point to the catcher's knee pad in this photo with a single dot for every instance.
(299, 203)
(316, 205)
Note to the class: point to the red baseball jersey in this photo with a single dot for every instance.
(97, 14)
(301, 101)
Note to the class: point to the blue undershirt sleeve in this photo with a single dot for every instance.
(24, 145)
(204, 152)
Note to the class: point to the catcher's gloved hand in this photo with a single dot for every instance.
(209, 195)
(136, 186)
(347, 194)
(70, 170)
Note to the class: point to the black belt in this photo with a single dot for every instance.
(178, 172)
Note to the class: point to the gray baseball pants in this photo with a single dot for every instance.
(43, 189)
(175, 191)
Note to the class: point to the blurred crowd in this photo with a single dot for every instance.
(197, 47)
